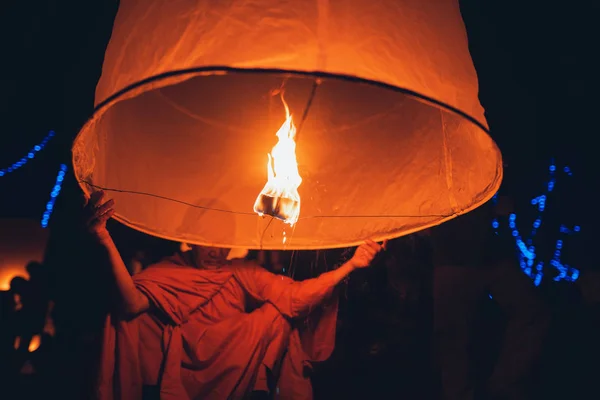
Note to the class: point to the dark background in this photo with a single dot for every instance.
(537, 68)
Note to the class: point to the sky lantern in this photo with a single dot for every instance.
(288, 124)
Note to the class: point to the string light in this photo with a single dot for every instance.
(526, 251)
(29, 156)
(53, 195)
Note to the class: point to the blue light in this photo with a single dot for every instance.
(495, 198)
(30, 155)
(526, 255)
(575, 275)
(53, 195)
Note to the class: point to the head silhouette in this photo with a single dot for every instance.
(208, 222)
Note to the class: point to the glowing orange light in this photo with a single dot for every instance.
(7, 273)
(279, 197)
(35, 343)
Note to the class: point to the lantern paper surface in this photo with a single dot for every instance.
(394, 139)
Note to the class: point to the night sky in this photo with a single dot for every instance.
(534, 61)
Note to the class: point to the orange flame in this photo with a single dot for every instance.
(283, 178)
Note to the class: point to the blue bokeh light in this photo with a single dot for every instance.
(30, 155)
(526, 254)
(53, 195)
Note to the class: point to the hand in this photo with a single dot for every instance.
(95, 214)
(366, 253)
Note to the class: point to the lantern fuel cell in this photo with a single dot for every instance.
(279, 197)
(281, 208)
(188, 133)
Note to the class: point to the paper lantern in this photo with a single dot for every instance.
(391, 137)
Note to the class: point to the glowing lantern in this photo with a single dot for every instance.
(390, 135)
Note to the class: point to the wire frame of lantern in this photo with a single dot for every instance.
(389, 138)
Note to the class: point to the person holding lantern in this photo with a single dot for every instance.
(198, 325)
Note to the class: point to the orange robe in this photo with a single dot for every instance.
(199, 342)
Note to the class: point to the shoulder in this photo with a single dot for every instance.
(249, 270)
(240, 262)
(243, 265)
(164, 267)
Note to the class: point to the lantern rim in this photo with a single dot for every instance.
(224, 70)
(121, 95)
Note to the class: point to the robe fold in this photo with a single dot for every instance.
(199, 342)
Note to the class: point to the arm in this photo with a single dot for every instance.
(295, 299)
(131, 301)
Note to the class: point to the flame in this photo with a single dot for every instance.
(283, 178)
(35, 343)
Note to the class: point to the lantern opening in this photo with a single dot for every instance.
(280, 198)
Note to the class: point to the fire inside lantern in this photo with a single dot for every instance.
(280, 198)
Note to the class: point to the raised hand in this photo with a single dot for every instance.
(366, 253)
(96, 212)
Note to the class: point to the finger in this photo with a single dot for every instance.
(372, 244)
(105, 217)
(104, 208)
(85, 198)
(97, 212)
(369, 251)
